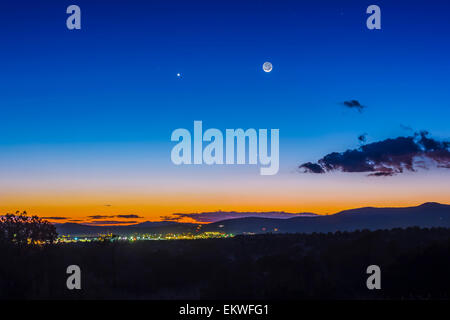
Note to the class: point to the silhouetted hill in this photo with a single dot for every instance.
(152, 224)
(425, 215)
(75, 229)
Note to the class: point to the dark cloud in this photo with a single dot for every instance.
(312, 167)
(362, 138)
(382, 174)
(100, 217)
(354, 104)
(387, 157)
(109, 222)
(123, 216)
(221, 215)
(170, 218)
(128, 216)
(55, 218)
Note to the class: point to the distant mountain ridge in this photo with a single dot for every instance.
(427, 215)
(430, 214)
(159, 227)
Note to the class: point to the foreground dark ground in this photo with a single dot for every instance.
(415, 264)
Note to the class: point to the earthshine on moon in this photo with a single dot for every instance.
(267, 66)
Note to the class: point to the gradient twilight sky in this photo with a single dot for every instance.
(86, 115)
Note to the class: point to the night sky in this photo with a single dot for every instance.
(86, 115)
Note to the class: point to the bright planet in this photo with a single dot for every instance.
(267, 66)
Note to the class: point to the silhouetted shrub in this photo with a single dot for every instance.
(22, 229)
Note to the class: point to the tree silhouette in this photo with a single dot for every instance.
(19, 228)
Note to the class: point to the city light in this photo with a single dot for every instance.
(143, 237)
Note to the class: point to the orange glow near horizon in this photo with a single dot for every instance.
(290, 193)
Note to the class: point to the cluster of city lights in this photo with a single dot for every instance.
(140, 237)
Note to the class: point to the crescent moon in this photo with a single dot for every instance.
(267, 66)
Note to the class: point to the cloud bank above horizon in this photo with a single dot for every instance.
(387, 157)
(222, 215)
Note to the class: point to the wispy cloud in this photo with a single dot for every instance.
(221, 215)
(362, 138)
(122, 216)
(354, 104)
(108, 222)
(100, 217)
(128, 216)
(407, 128)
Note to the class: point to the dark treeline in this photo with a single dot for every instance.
(414, 262)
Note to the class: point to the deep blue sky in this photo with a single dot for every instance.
(115, 80)
(86, 115)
